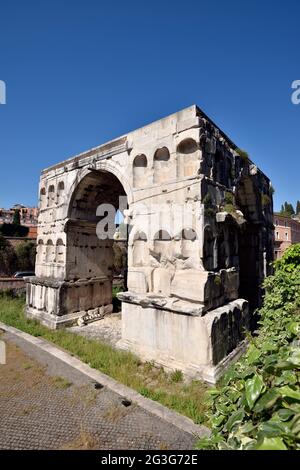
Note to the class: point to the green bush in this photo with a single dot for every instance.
(20, 258)
(8, 258)
(25, 253)
(257, 405)
(13, 230)
(229, 198)
(265, 200)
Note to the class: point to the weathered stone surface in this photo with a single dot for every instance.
(200, 236)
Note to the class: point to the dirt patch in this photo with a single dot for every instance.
(85, 441)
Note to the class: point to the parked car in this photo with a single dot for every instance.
(21, 274)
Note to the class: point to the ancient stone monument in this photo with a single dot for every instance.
(200, 241)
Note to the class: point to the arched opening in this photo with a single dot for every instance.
(40, 251)
(60, 251)
(51, 195)
(93, 257)
(161, 165)
(219, 168)
(189, 237)
(140, 171)
(60, 192)
(250, 247)
(42, 197)
(49, 252)
(140, 250)
(209, 248)
(162, 275)
(188, 164)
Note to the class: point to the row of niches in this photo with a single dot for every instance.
(53, 196)
(165, 249)
(164, 168)
(50, 252)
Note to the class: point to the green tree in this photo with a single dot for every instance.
(17, 217)
(13, 230)
(25, 253)
(287, 209)
(298, 208)
(8, 258)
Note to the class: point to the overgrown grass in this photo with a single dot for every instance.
(150, 381)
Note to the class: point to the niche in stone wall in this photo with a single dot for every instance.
(161, 165)
(233, 245)
(162, 275)
(60, 251)
(140, 250)
(223, 169)
(140, 171)
(60, 192)
(50, 252)
(42, 198)
(163, 243)
(189, 239)
(40, 252)
(209, 250)
(187, 158)
(222, 242)
(51, 195)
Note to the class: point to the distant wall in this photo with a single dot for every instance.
(11, 283)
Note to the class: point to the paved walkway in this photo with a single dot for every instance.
(47, 404)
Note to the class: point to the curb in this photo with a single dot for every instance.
(172, 417)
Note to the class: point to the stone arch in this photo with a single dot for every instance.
(162, 235)
(105, 167)
(187, 158)
(187, 146)
(161, 165)
(140, 171)
(90, 231)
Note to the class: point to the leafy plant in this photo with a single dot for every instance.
(176, 376)
(229, 198)
(229, 208)
(243, 154)
(265, 200)
(257, 405)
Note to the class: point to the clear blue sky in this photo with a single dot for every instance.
(81, 72)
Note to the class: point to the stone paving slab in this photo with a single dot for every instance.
(48, 404)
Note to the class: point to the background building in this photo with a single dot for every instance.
(287, 232)
(28, 217)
